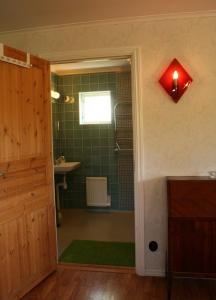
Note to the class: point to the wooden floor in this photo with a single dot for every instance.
(75, 284)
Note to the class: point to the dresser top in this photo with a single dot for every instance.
(190, 178)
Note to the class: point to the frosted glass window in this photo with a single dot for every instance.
(95, 107)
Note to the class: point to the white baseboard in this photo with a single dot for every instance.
(154, 272)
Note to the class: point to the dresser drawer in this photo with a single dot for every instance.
(191, 198)
(192, 246)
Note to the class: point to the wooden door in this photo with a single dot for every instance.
(27, 215)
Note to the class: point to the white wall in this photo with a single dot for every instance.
(179, 139)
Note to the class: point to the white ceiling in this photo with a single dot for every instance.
(90, 64)
(21, 14)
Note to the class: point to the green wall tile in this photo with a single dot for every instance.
(92, 145)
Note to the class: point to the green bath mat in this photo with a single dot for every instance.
(100, 253)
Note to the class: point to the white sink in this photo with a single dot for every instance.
(65, 167)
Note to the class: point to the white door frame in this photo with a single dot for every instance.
(135, 54)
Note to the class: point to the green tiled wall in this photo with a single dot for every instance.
(92, 145)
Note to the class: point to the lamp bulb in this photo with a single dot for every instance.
(175, 75)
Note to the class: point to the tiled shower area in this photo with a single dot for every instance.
(104, 150)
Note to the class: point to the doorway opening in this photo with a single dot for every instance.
(93, 130)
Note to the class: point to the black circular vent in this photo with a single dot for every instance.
(153, 246)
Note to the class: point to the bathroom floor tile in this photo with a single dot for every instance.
(100, 226)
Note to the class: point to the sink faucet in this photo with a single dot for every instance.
(60, 159)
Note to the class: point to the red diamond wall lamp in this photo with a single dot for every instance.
(175, 80)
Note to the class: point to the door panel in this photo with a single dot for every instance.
(9, 255)
(27, 214)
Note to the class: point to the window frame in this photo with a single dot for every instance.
(82, 96)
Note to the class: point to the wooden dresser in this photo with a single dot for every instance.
(191, 227)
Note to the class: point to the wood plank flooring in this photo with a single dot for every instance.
(85, 284)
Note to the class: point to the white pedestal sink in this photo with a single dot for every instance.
(63, 168)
